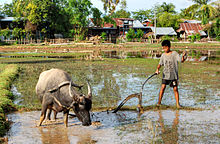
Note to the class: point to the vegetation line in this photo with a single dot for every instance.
(7, 75)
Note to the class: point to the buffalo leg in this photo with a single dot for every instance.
(43, 114)
(65, 114)
(55, 115)
(49, 113)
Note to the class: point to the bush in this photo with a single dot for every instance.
(130, 35)
(139, 34)
(192, 38)
(166, 37)
(198, 37)
(103, 36)
(6, 33)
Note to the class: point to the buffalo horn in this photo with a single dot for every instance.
(89, 90)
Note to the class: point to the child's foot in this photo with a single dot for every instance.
(158, 105)
(178, 106)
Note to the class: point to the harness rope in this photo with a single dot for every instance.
(70, 94)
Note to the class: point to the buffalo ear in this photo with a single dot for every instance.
(89, 91)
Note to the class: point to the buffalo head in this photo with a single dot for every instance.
(83, 106)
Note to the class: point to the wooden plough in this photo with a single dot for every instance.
(137, 95)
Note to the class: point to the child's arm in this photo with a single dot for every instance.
(158, 68)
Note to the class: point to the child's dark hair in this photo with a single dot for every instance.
(166, 43)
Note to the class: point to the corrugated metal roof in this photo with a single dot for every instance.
(137, 24)
(164, 31)
(191, 28)
(7, 19)
(192, 21)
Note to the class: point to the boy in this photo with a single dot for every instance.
(169, 60)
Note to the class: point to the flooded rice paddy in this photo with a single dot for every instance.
(161, 126)
(112, 81)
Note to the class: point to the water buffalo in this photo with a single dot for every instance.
(57, 92)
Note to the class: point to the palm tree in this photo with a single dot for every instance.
(170, 8)
(201, 9)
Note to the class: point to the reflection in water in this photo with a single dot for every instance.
(54, 135)
(169, 134)
(162, 126)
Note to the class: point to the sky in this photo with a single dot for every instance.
(135, 5)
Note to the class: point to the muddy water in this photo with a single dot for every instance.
(162, 126)
(111, 84)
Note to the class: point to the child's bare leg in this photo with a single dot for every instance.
(163, 87)
(176, 93)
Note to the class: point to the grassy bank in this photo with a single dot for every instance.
(7, 75)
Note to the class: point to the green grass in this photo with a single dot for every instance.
(7, 75)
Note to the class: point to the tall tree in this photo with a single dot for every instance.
(164, 7)
(7, 10)
(110, 5)
(96, 15)
(122, 13)
(48, 16)
(142, 15)
(168, 20)
(170, 8)
(80, 10)
(166, 15)
(201, 9)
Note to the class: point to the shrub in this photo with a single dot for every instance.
(130, 35)
(198, 37)
(139, 34)
(103, 36)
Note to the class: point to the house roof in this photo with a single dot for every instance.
(191, 28)
(119, 22)
(138, 24)
(192, 21)
(8, 19)
(164, 30)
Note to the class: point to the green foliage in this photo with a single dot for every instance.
(201, 9)
(7, 10)
(164, 8)
(121, 14)
(110, 5)
(130, 35)
(103, 36)
(139, 34)
(192, 38)
(198, 37)
(5, 32)
(166, 37)
(48, 16)
(215, 30)
(18, 33)
(97, 17)
(80, 11)
(142, 15)
(108, 19)
(168, 20)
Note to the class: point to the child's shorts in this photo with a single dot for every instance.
(171, 83)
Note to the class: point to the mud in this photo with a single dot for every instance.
(161, 126)
(111, 84)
